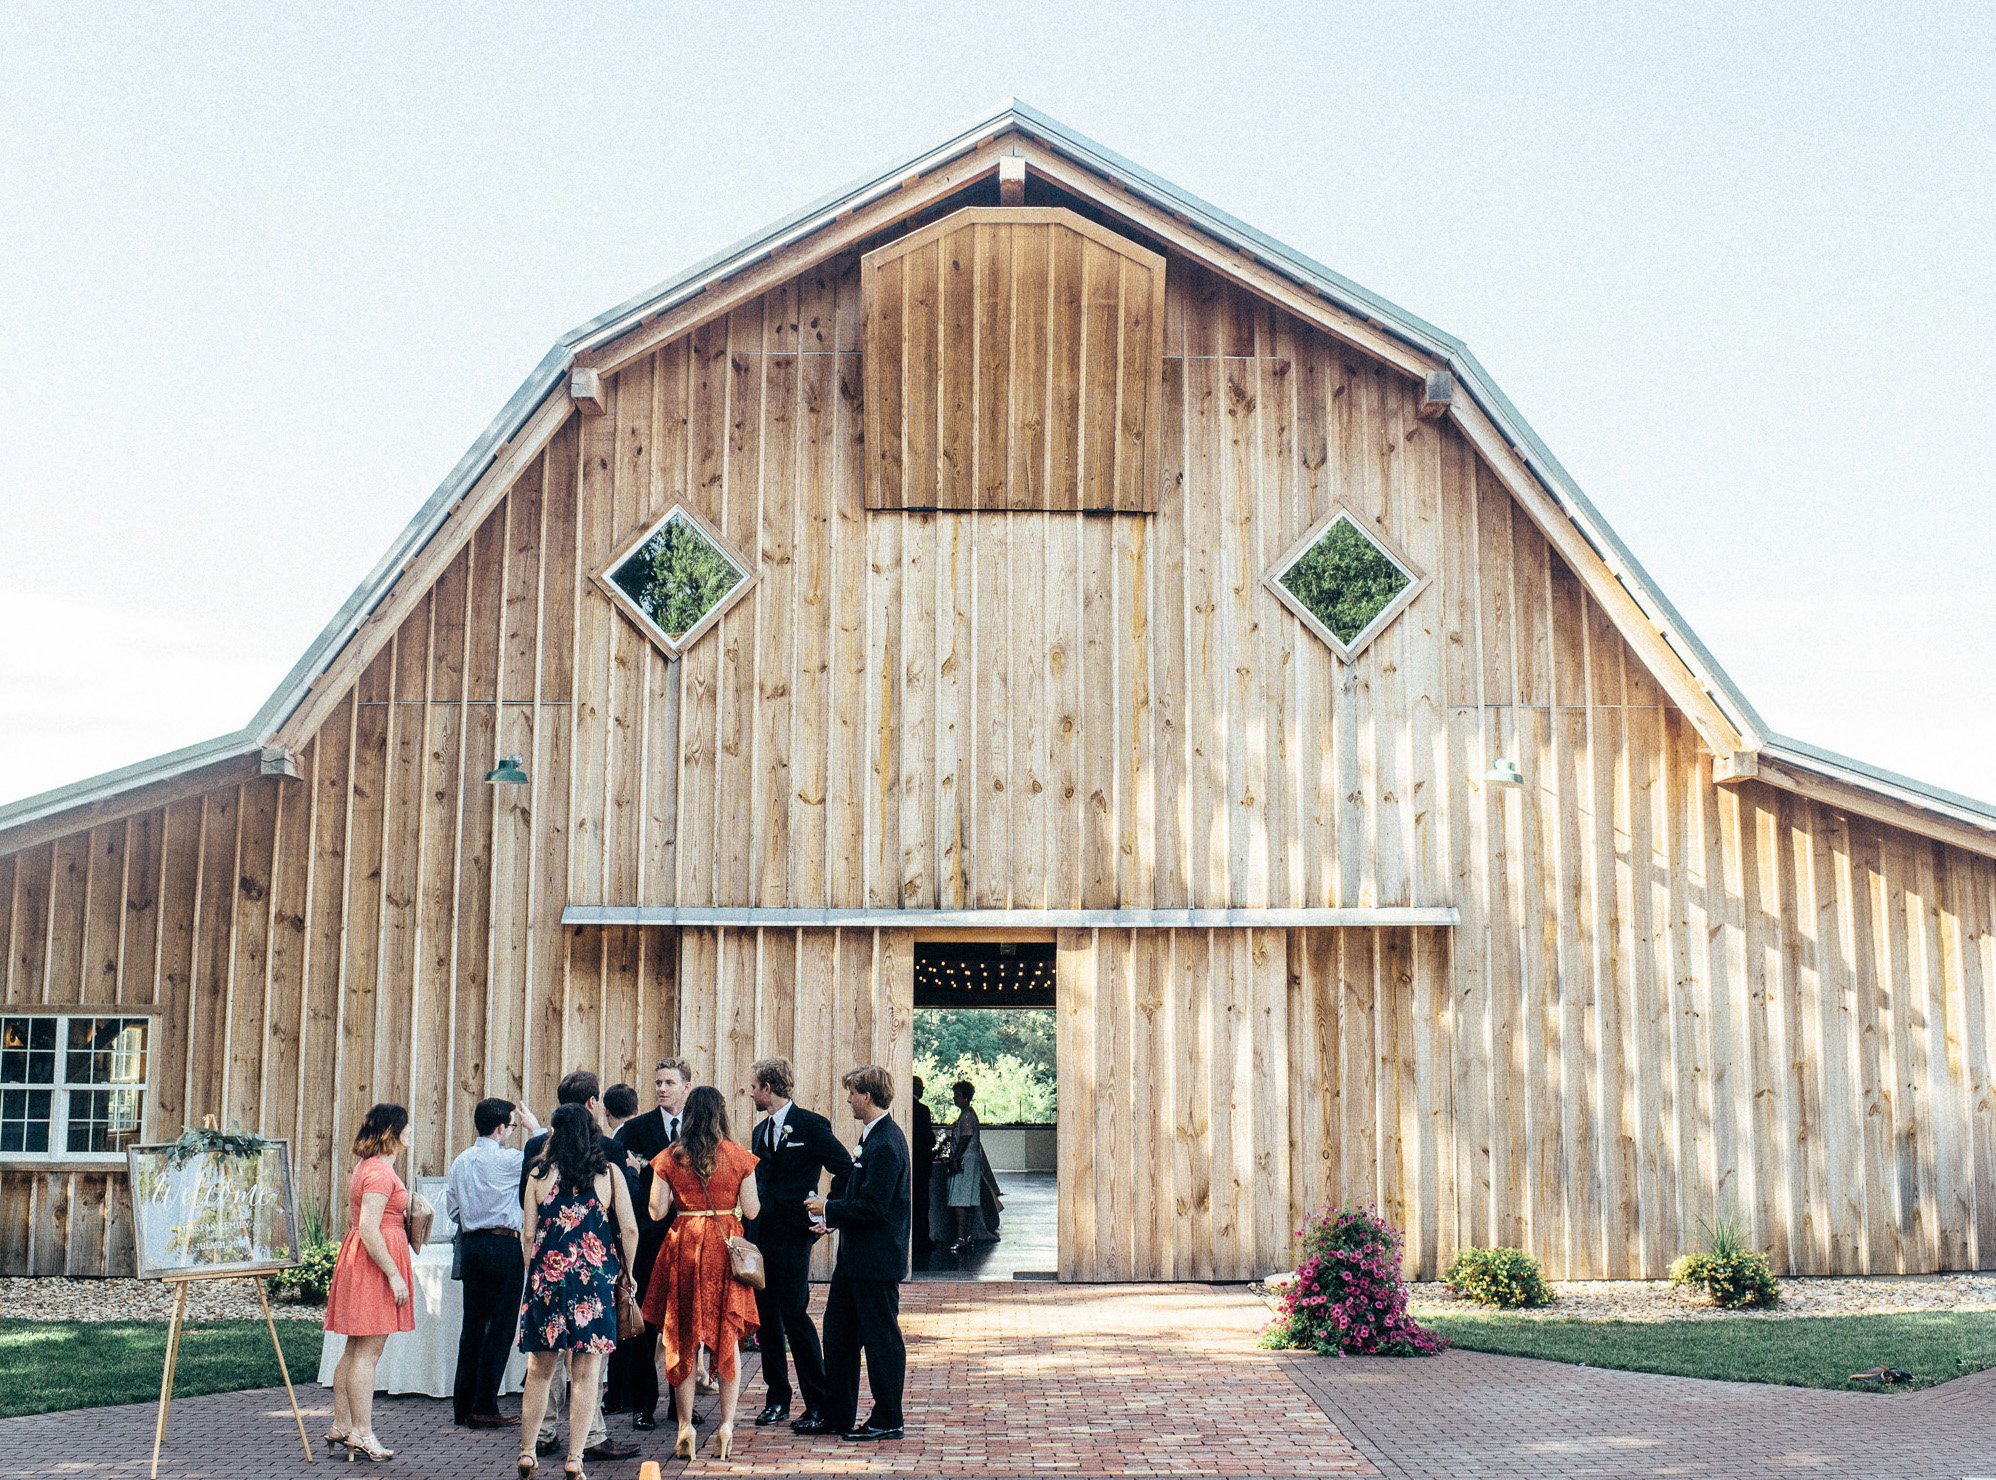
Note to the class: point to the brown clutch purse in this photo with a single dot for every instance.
(421, 1217)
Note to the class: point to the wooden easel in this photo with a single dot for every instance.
(181, 1282)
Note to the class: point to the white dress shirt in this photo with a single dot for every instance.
(484, 1187)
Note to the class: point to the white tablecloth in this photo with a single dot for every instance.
(424, 1360)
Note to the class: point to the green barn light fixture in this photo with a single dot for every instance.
(1503, 773)
(507, 772)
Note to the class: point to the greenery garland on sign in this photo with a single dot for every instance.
(199, 1140)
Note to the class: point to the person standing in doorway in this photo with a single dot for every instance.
(481, 1199)
(644, 1137)
(966, 1166)
(792, 1146)
(869, 1208)
(922, 1150)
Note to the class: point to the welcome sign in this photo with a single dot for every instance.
(212, 1205)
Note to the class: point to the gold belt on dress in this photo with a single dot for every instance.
(710, 1212)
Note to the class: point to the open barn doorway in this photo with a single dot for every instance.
(984, 1016)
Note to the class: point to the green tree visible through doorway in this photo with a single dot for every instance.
(1007, 1052)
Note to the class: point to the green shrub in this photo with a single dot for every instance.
(1501, 1277)
(313, 1277)
(1732, 1273)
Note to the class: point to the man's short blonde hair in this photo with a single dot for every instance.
(873, 1080)
(773, 1075)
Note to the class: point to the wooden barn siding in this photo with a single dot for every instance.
(1665, 999)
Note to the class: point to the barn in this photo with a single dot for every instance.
(1012, 550)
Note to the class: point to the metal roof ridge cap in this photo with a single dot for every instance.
(1600, 533)
(520, 407)
(607, 326)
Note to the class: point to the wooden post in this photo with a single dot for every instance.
(166, 1376)
(283, 1368)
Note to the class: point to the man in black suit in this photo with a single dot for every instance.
(792, 1146)
(869, 1207)
(644, 1136)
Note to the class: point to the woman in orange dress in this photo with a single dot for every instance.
(694, 1299)
(368, 1300)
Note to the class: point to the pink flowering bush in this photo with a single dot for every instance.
(1348, 1295)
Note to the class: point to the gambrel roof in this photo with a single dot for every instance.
(1725, 720)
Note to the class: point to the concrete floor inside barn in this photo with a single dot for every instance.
(1035, 1379)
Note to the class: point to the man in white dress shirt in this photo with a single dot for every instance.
(483, 1201)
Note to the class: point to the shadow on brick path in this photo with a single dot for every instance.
(1471, 1414)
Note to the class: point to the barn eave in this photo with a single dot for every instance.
(1890, 797)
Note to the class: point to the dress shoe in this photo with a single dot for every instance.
(492, 1420)
(867, 1433)
(610, 1449)
(812, 1423)
(644, 1423)
(548, 1445)
(774, 1413)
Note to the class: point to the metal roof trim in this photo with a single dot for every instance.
(547, 377)
(125, 778)
(1952, 804)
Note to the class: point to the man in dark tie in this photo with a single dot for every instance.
(792, 1145)
(869, 1207)
(644, 1136)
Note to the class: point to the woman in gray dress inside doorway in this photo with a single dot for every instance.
(966, 1166)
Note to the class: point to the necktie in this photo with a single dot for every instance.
(672, 1131)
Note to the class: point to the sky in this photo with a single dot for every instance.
(267, 271)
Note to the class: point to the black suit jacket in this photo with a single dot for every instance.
(785, 1173)
(645, 1135)
(870, 1206)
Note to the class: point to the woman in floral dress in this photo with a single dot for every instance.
(571, 1201)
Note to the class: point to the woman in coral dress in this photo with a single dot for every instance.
(694, 1298)
(368, 1300)
(580, 1235)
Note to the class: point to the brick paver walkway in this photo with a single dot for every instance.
(1470, 1414)
(1007, 1381)
(1043, 1380)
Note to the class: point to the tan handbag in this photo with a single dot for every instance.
(744, 1258)
(745, 1261)
(420, 1220)
(630, 1316)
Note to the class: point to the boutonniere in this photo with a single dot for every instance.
(783, 1136)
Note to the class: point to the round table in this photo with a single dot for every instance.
(425, 1360)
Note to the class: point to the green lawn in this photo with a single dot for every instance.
(1805, 1351)
(50, 1365)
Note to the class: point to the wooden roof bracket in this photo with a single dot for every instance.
(1011, 180)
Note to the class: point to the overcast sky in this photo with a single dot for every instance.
(267, 271)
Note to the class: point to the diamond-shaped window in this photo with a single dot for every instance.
(1345, 582)
(677, 579)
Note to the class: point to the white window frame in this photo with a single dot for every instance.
(671, 646)
(60, 1088)
(1417, 580)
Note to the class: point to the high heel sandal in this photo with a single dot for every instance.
(335, 1439)
(684, 1448)
(575, 1474)
(724, 1440)
(363, 1442)
(528, 1463)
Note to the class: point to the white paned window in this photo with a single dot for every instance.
(72, 1088)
